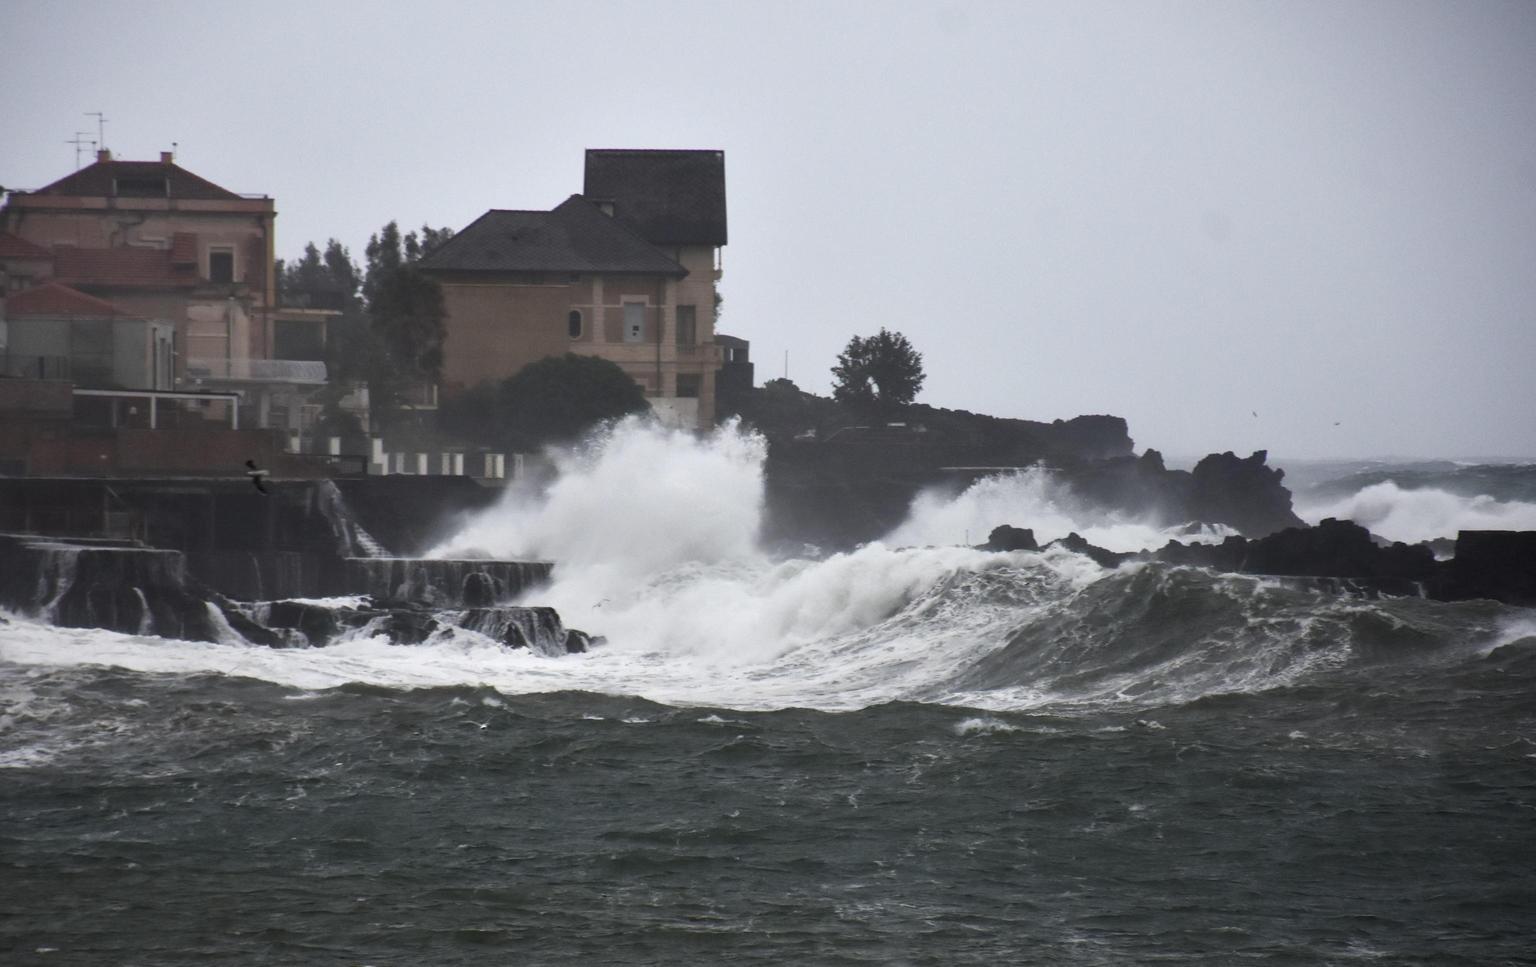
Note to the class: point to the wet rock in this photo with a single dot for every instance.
(1009, 538)
(1242, 493)
(1336, 548)
(315, 624)
(1078, 544)
(1491, 564)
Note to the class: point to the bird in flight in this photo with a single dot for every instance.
(258, 476)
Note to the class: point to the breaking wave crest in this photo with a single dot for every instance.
(1037, 499)
(1413, 515)
(654, 535)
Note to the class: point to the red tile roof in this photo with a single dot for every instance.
(150, 267)
(104, 178)
(15, 247)
(53, 299)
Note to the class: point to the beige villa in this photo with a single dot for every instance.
(177, 268)
(625, 271)
(159, 242)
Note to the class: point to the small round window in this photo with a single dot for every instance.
(573, 321)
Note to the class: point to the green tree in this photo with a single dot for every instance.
(405, 314)
(552, 400)
(390, 332)
(331, 280)
(880, 373)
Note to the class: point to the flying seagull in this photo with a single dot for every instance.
(258, 476)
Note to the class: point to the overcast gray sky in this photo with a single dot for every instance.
(1182, 213)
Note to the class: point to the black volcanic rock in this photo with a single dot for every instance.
(1332, 549)
(1006, 538)
(317, 623)
(1077, 543)
(1137, 486)
(1336, 548)
(1491, 564)
(1241, 493)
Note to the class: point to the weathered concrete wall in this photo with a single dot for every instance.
(238, 541)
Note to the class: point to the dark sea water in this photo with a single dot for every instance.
(898, 756)
(1383, 811)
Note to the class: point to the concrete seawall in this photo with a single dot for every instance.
(292, 542)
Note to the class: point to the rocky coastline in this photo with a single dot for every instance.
(321, 560)
(211, 560)
(1338, 555)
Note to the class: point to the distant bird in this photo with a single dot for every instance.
(258, 477)
(1335, 422)
(1255, 413)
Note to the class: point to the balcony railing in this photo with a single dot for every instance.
(35, 367)
(258, 370)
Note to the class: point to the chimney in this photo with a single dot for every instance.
(105, 154)
(167, 157)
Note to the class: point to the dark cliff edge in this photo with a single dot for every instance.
(835, 481)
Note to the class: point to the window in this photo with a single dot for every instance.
(687, 326)
(688, 385)
(221, 265)
(634, 322)
(573, 323)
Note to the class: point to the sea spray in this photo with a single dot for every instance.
(1037, 499)
(633, 500)
(654, 535)
(1407, 514)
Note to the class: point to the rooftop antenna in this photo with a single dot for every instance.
(80, 142)
(101, 126)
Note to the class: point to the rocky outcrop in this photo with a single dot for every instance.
(1242, 493)
(124, 587)
(836, 495)
(444, 583)
(1007, 538)
(1491, 564)
(1498, 565)
(117, 586)
(313, 624)
(1334, 549)
(1078, 544)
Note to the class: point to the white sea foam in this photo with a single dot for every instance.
(1035, 499)
(654, 534)
(1414, 515)
(1510, 631)
(983, 726)
(635, 500)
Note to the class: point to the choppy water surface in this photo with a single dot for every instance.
(897, 756)
(1384, 813)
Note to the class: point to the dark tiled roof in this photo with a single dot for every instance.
(15, 247)
(53, 299)
(120, 267)
(669, 197)
(103, 177)
(574, 237)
